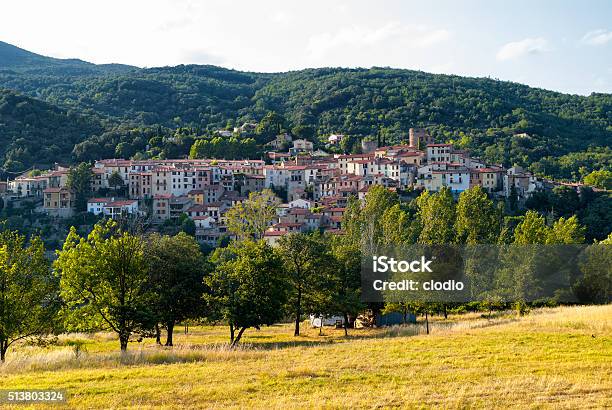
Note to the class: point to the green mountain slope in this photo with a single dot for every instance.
(481, 114)
(16, 59)
(33, 132)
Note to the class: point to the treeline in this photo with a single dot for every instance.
(134, 284)
(226, 148)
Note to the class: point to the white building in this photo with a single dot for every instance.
(115, 209)
(301, 145)
(112, 207)
(335, 139)
(96, 205)
(439, 152)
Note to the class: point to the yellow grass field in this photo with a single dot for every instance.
(552, 358)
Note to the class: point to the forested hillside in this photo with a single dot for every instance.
(505, 122)
(35, 132)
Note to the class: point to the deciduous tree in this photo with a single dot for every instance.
(478, 220)
(79, 180)
(107, 273)
(249, 219)
(176, 273)
(305, 258)
(247, 288)
(28, 290)
(115, 181)
(436, 213)
(346, 274)
(377, 201)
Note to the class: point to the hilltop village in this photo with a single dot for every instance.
(313, 186)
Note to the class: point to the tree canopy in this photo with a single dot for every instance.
(106, 273)
(28, 290)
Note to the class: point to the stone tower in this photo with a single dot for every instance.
(419, 137)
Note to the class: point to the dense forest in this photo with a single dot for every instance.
(34, 132)
(69, 110)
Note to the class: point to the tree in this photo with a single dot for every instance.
(249, 219)
(200, 149)
(349, 144)
(303, 131)
(522, 282)
(346, 275)
(436, 214)
(187, 224)
(305, 256)
(478, 220)
(176, 273)
(513, 198)
(271, 124)
(565, 201)
(79, 181)
(566, 232)
(600, 179)
(247, 287)
(397, 227)
(597, 217)
(377, 201)
(352, 220)
(532, 230)
(595, 285)
(107, 274)
(115, 181)
(28, 290)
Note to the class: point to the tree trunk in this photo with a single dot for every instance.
(346, 323)
(321, 327)
(427, 322)
(238, 336)
(445, 313)
(123, 341)
(231, 334)
(298, 312)
(157, 334)
(170, 328)
(186, 328)
(3, 349)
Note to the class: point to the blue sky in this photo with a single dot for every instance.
(558, 45)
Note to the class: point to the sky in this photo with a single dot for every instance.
(554, 44)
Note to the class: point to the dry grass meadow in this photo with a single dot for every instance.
(552, 358)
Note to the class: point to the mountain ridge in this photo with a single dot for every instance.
(17, 58)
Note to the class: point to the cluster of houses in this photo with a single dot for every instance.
(315, 185)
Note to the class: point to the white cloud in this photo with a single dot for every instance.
(392, 37)
(597, 37)
(281, 17)
(517, 49)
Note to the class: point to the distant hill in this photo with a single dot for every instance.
(504, 122)
(23, 61)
